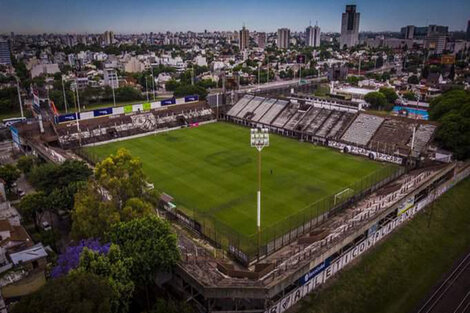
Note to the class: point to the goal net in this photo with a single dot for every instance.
(343, 195)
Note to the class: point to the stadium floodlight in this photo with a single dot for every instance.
(259, 139)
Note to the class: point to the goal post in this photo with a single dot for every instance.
(344, 194)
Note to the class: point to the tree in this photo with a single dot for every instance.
(63, 199)
(452, 111)
(150, 243)
(33, 206)
(93, 213)
(9, 100)
(452, 72)
(380, 62)
(376, 100)
(113, 267)
(425, 72)
(9, 173)
(80, 292)
(128, 94)
(186, 90)
(26, 163)
(118, 193)
(171, 85)
(48, 176)
(385, 76)
(70, 259)
(389, 93)
(413, 79)
(454, 134)
(409, 95)
(353, 80)
(134, 208)
(451, 101)
(207, 83)
(122, 176)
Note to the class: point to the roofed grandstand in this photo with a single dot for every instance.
(124, 125)
(319, 120)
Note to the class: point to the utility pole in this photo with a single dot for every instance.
(146, 89)
(359, 71)
(77, 115)
(192, 75)
(114, 95)
(65, 97)
(19, 96)
(217, 104)
(267, 75)
(153, 84)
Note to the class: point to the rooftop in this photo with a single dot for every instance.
(28, 255)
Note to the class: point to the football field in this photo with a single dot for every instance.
(212, 169)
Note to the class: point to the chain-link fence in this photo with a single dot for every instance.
(272, 238)
(87, 155)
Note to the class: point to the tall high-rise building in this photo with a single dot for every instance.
(244, 39)
(408, 32)
(283, 37)
(313, 36)
(468, 30)
(422, 32)
(108, 38)
(5, 52)
(262, 40)
(349, 27)
(436, 38)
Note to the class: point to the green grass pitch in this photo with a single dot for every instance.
(213, 169)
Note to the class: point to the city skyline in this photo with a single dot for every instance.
(87, 16)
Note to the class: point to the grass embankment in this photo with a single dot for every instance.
(398, 274)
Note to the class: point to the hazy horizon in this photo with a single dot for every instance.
(145, 16)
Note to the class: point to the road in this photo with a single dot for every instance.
(272, 85)
(6, 148)
(452, 295)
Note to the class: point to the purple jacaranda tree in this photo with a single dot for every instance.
(71, 257)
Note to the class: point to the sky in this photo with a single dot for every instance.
(137, 16)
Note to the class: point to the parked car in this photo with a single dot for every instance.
(45, 226)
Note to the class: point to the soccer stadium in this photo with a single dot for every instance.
(334, 180)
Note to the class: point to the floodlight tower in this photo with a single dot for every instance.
(259, 140)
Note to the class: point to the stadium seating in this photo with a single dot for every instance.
(308, 118)
(285, 115)
(329, 123)
(392, 135)
(295, 119)
(250, 107)
(340, 125)
(110, 127)
(362, 129)
(318, 121)
(262, 109)
(273, 112)
(422, 136)
(239, 105)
